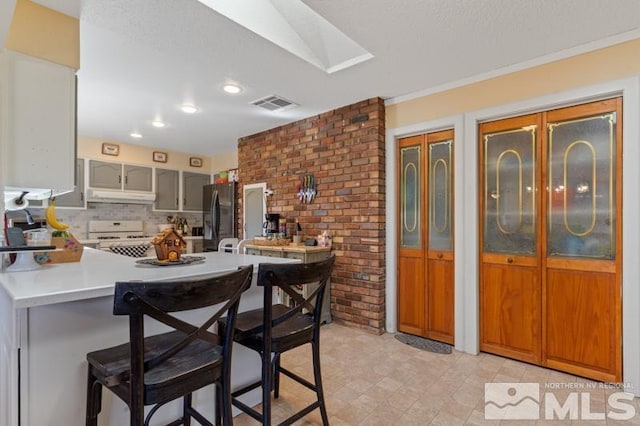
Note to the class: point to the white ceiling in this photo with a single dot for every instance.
(141, 59)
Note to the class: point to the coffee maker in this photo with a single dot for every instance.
(271, 225)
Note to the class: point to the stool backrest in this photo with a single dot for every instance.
(287, 277)
(228, 245)
(156, 299)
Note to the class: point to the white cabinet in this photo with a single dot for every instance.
(108, 175)
(167, 187)
(76, 197)
(38, 117)
(192, 184)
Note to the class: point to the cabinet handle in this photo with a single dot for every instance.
(439, 255)
(119, 179)
(509, 259)
(82, 196)
(126, 180)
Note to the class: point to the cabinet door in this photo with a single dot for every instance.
(510, 290)
(582, 293)
(439, 205)
(167, 189)
(137, 178)
(198, 246)
(105, 175)
(192, 184)
(75, 198)
(38, 101)
(411, 261)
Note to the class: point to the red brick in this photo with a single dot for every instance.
(349, 166)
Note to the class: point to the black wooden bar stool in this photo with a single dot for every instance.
(278, 328)
(158, 369)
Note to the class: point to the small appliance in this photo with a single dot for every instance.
(271, 224)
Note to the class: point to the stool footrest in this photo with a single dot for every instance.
(246, 389)
(298, 379)
(246, 409)
(300, 414)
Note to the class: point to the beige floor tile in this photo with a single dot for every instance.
(376, 380)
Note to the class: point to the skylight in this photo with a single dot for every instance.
(297, 28)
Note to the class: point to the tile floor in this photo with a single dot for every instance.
(376, 380)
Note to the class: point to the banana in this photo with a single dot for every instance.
(50, 215)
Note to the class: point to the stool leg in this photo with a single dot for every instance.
(225, 403)
(276, 375)
(218, 404)
(94, 399)
(318, 379)
(267, 382)
(186, 406)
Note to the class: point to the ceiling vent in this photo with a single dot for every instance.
(274, 103)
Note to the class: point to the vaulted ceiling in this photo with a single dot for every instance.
(142, 59)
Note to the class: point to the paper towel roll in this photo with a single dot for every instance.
(18, 203)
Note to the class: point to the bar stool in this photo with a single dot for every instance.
(278, 328)
(158, 369)
(228, 245)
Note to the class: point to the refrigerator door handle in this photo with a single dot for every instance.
(215, 209)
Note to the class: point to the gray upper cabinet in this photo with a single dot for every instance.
(192, 184)
(137, 178)
(75, 198)
(105, 175)
(167, 187)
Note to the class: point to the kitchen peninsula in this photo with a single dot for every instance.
(53, 316)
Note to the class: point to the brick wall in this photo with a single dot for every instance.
(347, 158)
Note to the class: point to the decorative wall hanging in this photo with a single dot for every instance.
(307, 189)
(159, 157)
(110, 148)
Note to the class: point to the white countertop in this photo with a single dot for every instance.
(96, 273)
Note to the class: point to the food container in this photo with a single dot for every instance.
(68, 249)
(37, 237)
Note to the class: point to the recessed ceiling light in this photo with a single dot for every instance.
(189, 109)
(157, 123)
(231, 88)
(135, 135)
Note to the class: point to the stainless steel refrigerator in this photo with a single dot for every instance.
(219, 216)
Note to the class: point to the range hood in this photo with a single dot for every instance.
(123, 197)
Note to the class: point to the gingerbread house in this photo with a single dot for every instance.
(169, 245)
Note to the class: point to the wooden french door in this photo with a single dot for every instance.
(425, 261)
(510, 289)
(550, 290)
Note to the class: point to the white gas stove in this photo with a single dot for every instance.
(124, 237)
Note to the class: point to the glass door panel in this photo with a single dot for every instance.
(510, 191)
(581, 174)
(440, 200)
(410, 199)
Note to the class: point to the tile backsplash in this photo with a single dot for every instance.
(78, 219)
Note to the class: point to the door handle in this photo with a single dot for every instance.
(509, 259)
(439, 255)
